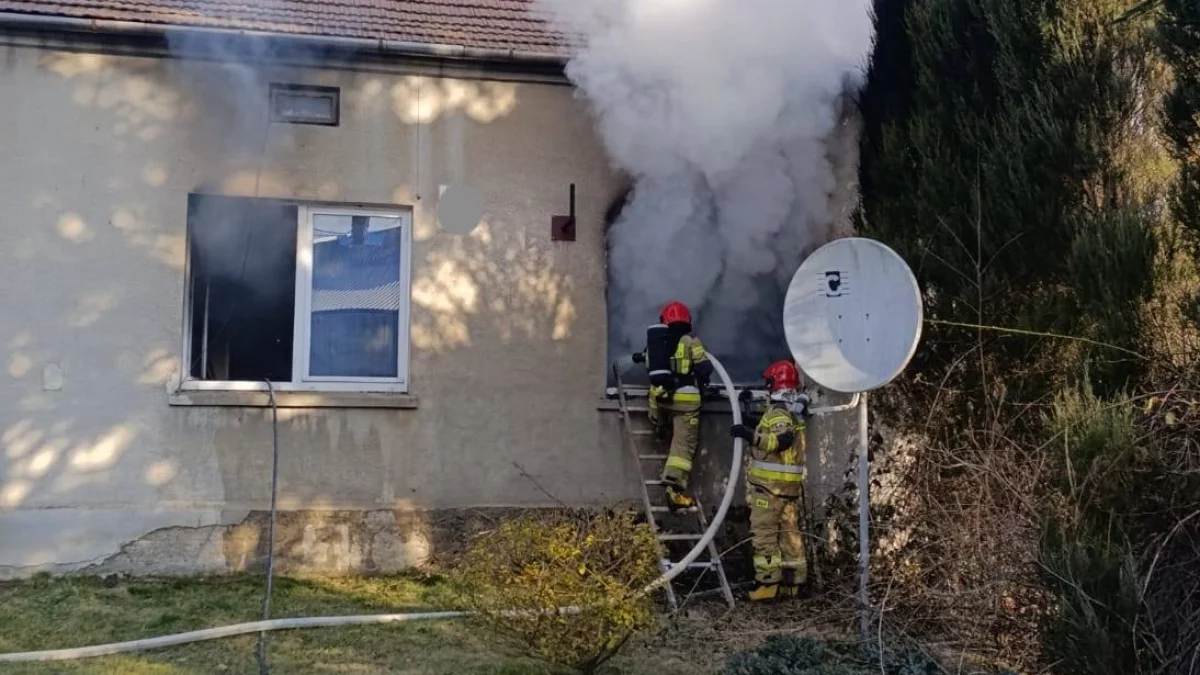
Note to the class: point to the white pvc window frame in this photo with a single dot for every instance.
(301, 354)
(302, 315)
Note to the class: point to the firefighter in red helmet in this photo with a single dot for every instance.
(775, 485)
(677, 376)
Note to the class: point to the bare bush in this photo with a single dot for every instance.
(519, 577)
(955, 520)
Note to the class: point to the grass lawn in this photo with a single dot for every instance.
(59, 613)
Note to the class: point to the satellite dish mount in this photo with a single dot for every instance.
(852, 318)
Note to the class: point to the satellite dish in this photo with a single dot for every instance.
(853, 315)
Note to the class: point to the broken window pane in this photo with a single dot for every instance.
(243, 288)
(355, 297)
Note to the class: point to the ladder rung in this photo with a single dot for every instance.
(667, 509)
(680, 537)
(655, 481)
(650, 458)
(692, 565)
(706, 591)
(643, 432)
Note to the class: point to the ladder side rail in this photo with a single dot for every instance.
(647, 505)
(631, 441)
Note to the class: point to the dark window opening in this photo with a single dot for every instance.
(242, 288)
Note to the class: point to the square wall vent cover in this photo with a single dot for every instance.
(305, 104)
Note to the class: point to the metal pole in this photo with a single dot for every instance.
(864, 516)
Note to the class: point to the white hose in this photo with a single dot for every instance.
(220, 632)
(326, 621)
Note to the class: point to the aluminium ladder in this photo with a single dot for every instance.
(650, 460)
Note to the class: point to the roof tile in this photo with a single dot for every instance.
(494, 24)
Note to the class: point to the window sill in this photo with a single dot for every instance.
(292, 399)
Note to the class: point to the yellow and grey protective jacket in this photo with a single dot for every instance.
(777, 469)
(691, 368)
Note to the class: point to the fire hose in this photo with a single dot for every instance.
(354, 620)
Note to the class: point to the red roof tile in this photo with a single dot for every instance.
(492, 24)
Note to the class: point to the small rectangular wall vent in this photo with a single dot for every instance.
(305, 104)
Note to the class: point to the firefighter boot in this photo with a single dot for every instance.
(764, 592)
(677, 500)
(794, 586)
(788, 588)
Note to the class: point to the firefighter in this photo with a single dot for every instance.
(674, 399)
(774, 485)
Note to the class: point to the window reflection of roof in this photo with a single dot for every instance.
(364, 276)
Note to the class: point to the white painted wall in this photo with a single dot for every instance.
(97, 155)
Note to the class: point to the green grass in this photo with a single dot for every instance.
(58, 613)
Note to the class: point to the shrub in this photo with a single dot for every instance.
(1013, 152)
(517, 576)
(1094, 629)
(1125, 490)
(1098, 450)
(797, 655)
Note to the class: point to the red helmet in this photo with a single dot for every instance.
(782, 375)
(675, 312)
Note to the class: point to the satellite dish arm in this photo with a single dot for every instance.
(825, 410)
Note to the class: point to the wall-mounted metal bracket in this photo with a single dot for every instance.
(562, 228)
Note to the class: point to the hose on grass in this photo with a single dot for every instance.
(262, 627)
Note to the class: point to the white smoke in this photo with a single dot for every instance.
(732, 118)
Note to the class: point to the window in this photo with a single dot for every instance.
(309, 297)
(305, 104)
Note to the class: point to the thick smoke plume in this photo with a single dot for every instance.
(734, 118)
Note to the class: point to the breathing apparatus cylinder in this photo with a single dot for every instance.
(658, 356)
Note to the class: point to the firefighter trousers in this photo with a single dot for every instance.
(682, 418)
(778, 542)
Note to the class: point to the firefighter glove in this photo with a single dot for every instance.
(802, 404)
(740, 431)
(639, 357)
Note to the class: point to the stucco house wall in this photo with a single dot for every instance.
(108, 465)
(98, 153)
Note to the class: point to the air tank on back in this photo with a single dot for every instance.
(658, 355)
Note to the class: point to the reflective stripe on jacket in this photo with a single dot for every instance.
(770, 471)
(688, 353)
